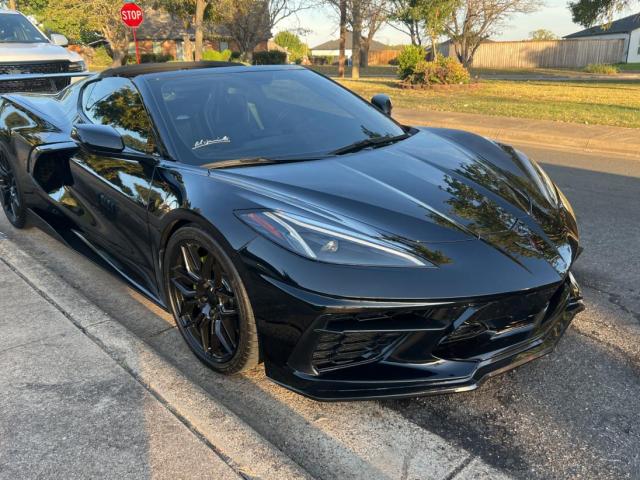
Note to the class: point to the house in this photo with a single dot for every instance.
(332, 48)
(162, 34)
(627, 29)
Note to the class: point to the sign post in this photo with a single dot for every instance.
(132, 17)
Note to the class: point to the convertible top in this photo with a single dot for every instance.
(130, 71)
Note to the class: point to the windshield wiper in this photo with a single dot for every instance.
(252, 161)
(374, 142)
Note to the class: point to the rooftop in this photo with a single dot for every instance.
(624, 25)
(335, 44)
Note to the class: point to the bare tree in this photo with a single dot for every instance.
(343, 37)
(476, 20)
(194, 13)
(375, 14)
(407, 17)
(372, 14)
(252, 21)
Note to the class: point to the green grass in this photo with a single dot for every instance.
(629, 67)
(599, 103)
(372, 71)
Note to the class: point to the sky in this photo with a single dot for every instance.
(323, 25)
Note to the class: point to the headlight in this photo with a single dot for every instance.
(329, 243)
(77, 66)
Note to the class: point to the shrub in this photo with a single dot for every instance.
(321, 60)
(150, 58)
(601, 69)
(216, 56)
(442, 71)
(236, 55)
(272, 57)
(408, 59)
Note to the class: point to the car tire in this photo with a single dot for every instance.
(11, 196)
(203, 292)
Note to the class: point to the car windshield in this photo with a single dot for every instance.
(17, 29)
(268, 113)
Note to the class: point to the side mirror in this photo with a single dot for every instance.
(59, 40)
(98, 137)
(383, 103)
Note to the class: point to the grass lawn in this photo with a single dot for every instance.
(607, 103)
(372, 71)
(629, 67)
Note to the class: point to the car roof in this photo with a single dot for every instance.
(131, 71)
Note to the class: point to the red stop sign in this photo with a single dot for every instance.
(131, 15)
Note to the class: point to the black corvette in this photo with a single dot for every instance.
(284, 220)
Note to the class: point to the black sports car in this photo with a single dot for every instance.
(282, 219)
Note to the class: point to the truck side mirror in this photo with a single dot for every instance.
(59, 40)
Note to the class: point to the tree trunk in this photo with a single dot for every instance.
(364, 60)
(199, 20)
(118, 39)
(434, 46)
(187, 48)
(357, 38)
(12, 5)
(343, 37)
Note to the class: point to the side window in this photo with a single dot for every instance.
(12, 117)
(116, 102)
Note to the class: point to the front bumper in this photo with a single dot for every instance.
(365, 351)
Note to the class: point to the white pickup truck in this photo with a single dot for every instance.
(24, 49)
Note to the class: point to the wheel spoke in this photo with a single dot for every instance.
(190, 257)
(207, 267)
(182, 274)
(184, 291)
(223, 337)
(205, 334)
(15, 204)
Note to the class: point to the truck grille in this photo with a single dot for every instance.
(17, 68)
(46, 85)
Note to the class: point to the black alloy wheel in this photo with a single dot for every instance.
(10, 194)
(209, 302)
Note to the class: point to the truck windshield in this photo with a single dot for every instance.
(17, 29)
(217, 115)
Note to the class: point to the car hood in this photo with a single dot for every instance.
(438, 186)
(35, 52)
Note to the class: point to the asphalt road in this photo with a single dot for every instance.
(573, 414)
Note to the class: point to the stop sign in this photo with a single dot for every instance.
(131, 15)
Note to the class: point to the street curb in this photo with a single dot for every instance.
(543, 133)
(242, 448)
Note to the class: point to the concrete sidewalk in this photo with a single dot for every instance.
(79, 399)
(70, 411)
(591, 138)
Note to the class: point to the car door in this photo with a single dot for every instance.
(113, 188)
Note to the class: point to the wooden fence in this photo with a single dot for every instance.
(547, 54)
(382, 57)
